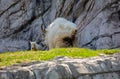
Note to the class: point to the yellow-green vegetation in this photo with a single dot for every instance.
(10, 58)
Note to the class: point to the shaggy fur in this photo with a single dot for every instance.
(60, 33)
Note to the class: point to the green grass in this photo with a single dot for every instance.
(11, 58)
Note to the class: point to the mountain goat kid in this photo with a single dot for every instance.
(60, 33)
(35, 46)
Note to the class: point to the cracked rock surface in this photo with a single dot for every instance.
(98, 22)
(102, 67)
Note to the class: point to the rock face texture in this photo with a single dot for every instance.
(98, 22)
(102, 67)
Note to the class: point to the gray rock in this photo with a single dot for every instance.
(5, 75)
(106, 67)
(108, 76)
(98, 22)
(22, 73)
(85, 77)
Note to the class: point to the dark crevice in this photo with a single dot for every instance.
(102, 72)
(85, 2)
(78, 10)
(43, 27)
(115, 33)
(71, 9)
(22, 27)
(13, 12)
(115, 47)
(95, 38)
(58, 14)
(41, 5)
(27, 23)
(35, 76)
(10, 7)
(91, 6)
(38, 2)
(41, 15)
(73, 12)
(44, 24)
(76, 1)
(119, 15)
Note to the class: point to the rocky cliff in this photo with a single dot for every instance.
(98, 22)
(102, 67)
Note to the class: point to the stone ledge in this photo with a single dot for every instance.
(101, 67)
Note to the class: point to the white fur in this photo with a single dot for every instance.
(35, 46)
(57, 30)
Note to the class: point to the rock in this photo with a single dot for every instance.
(21, 21)
(107, 67)
(85, 77)
(99, 25)
(5, 75)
